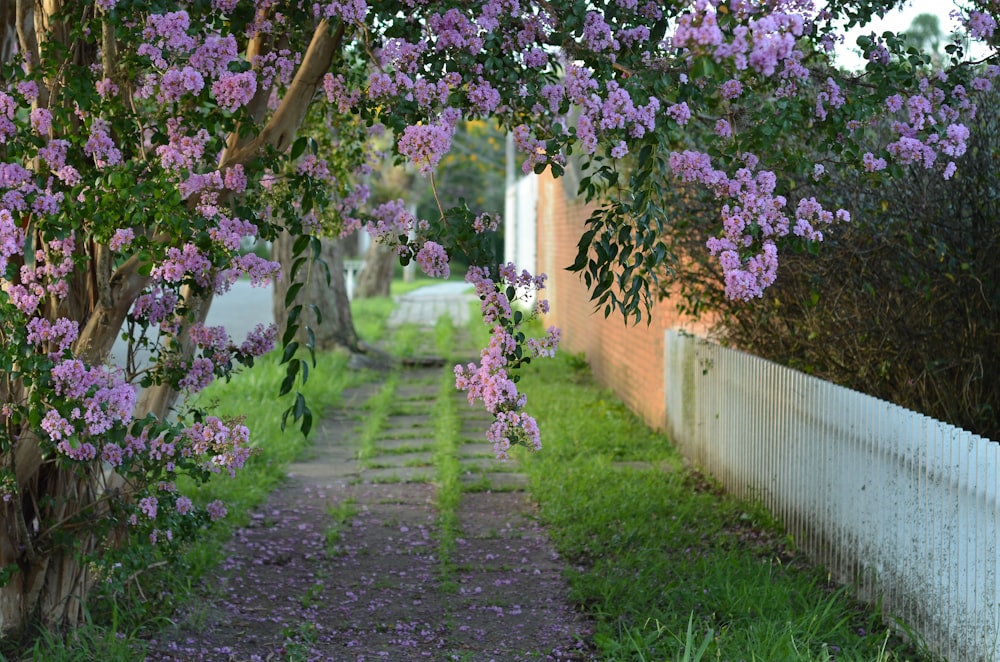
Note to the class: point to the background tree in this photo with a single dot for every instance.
(925, 35)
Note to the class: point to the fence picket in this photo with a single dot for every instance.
(900, 505)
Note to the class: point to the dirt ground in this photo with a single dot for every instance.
(341, 563)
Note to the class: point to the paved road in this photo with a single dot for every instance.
(244, 307)
(239, 310)
(425, 305)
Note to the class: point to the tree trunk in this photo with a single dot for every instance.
(50, 584)
(376, 276)
(335, 328)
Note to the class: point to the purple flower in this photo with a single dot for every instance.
(433, 259)
(216, 510)
(148, 506)
(425, 144)
(233, 90)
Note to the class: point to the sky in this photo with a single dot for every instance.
(897, 21)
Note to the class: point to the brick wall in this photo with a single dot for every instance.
(628, 359)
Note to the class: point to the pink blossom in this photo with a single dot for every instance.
(233, 90)
(148, 505)
(433, 259)
(183, 505)
(425, 144)
(199, 374)
(41, 120)
(100, 145)
(260, 340)
(216, 510)
(62, 333)
(121, 239)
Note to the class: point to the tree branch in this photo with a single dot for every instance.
(280, 130)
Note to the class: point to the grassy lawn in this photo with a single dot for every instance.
(669, 566)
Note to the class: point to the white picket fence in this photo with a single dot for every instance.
(901, 506)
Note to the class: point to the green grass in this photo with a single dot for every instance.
(378, 407)
(340, 515)
(670, 564)
(448, 482)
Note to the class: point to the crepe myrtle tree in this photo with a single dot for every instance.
(141, 142)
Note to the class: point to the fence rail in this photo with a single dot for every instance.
(900, 505)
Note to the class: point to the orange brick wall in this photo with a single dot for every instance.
(628, 359)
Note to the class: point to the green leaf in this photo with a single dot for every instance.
(317, 313)
(301, 242)
(292, 292)
(298, 147)
(289, 352)
(296, 265)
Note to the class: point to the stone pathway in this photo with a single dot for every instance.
(343, 562)
(425, 305)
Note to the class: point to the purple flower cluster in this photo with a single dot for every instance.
(425, 144)
(225, 447)
(101, 146)
(752, 218)
(92, 401)
(183, 263)
(433, 259)
(763, 43)
(491, 380)
(11, 240)
(58, 335)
